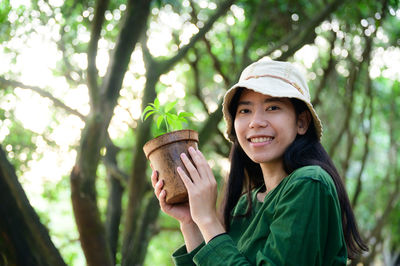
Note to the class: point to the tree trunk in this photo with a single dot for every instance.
(24, 240)
(83, 176)
(114, 205)
(137, 182)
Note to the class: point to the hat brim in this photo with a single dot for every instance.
(275, 88)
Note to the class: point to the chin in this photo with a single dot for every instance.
(266, 160)
(260, 160)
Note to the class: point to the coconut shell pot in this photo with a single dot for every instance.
(163, 153)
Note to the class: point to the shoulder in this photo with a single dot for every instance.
(312, 175)
(310, 187)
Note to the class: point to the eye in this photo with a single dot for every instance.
(273, 108)
(243, 111)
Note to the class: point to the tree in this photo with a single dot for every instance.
(224, 37)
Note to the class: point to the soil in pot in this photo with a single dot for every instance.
(163, 153)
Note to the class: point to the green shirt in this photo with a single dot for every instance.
(299, 223)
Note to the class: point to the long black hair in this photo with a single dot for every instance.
(305, 150)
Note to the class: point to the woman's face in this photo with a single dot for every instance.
(265, 126)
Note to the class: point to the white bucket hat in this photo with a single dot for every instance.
(273, 78)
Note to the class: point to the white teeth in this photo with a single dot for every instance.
(262, 139)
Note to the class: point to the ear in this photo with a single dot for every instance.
(303, 122)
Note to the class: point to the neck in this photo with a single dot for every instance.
(273, 174)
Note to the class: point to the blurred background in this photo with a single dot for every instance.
(75, 76)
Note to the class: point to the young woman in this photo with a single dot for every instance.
(284, 202)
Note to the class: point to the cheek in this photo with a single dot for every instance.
(239, 126)
(291, 132)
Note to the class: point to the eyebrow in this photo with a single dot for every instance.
(268, 100)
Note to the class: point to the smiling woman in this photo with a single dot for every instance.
(47, 44)
(295, 200)
(265, 126)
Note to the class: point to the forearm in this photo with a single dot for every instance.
(191, 235)
(211, 228)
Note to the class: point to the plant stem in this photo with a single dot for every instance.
(166, 123)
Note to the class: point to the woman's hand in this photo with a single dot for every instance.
(202, 191)
(180, 212)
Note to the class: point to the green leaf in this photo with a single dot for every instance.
(172, 116)
(178, 126)
(159, 121)
(157, 103)
(185, 114)
(175, 124)
(147, 109)
(148, 114)
(169, 106)
(183, 120)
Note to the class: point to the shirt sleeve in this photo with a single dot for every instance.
(182, 258)
(297, 236)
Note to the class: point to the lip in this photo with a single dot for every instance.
(260, 142)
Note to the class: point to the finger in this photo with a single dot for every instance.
(200, 163)
(161, 199)
(208, 170)
(190, 167)
(154, 178)
(158, 188)
(186, 180)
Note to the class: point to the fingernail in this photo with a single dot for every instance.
(191, 149)
(183, 155)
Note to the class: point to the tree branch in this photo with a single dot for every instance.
(349, 151)
(114, 204)
(133, 26)
(92, 73)
(147, 57)
(216, 62)
(69, 68)
(367, 133)
(354, 74)
(326, 71)
(221, 10)
(146, 229)
(250, 35)
(196, 75)
(234, 61)
(115, 171)
(297, 37)
(26, 239)
(211, 123)
(224, 143)
(392, 172)
(214, 59)
(16, 84)
(349, 108)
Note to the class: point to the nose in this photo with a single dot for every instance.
(258, 120)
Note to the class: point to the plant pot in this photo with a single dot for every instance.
(164, 154)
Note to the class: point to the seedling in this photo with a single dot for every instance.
(166, 116)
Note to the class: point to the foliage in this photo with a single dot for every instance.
(197, 83)
(164, 116)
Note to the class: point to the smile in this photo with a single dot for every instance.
(261, 139)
